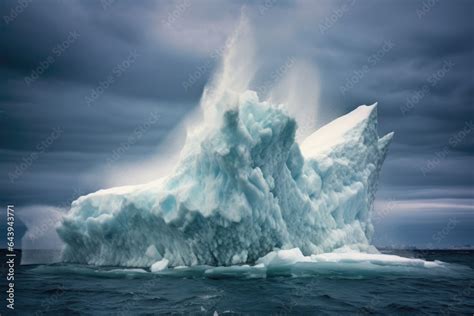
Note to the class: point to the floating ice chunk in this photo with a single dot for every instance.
(283, 257)
(159, 265)
(125, 271)
(378, 259)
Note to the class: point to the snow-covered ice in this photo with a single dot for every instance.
(242, 189)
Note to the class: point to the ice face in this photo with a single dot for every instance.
(242, 189)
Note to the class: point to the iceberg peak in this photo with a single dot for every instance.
(337, 131)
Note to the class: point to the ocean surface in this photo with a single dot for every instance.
(67, 289)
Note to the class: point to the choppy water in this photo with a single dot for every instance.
(332, 290)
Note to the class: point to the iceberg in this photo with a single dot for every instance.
(243, 189)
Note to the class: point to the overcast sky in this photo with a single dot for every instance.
(77, 78)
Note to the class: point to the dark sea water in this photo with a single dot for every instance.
(81, 290)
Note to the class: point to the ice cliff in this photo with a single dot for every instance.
(242, 189)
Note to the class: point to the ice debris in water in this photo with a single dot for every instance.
(242, 189)
(159, 265)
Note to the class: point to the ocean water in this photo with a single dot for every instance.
(67, 289)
